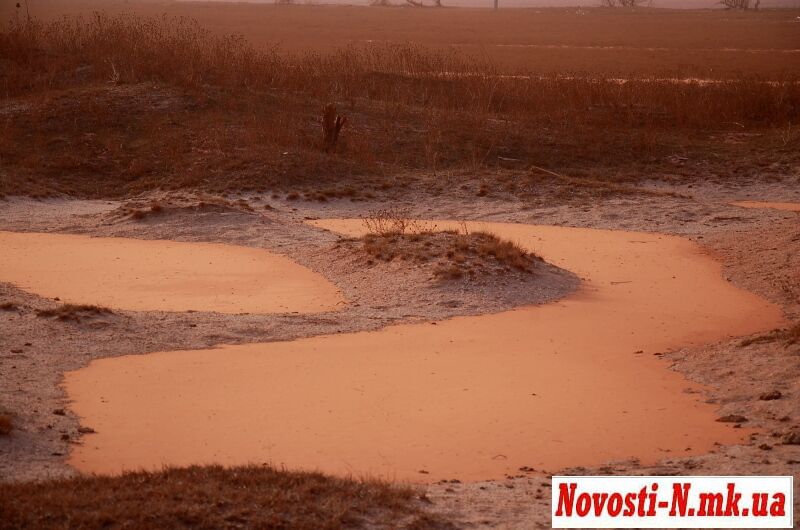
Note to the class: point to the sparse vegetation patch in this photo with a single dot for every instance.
(212, 497)
(450, 254)
(73, 312)
(139, 210)
(788, 336)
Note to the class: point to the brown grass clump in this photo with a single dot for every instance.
(505, 252)
(393, 234)
(451, 255)
(211, 497)
(789, 336)
(139, 214)
(73, 312)
(141, 210)
(9, 306)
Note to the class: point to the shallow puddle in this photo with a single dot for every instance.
(789, 206)
(576, 382)
(143, 275)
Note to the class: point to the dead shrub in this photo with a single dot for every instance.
(388, 221)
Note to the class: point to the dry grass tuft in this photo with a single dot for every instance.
(393, 234)
(393, 221)
(155, 208)
(212, 497)
(789, 336)
(451, 255)
(9, 306)
(141, 210)
(74, 312)
(505, 252)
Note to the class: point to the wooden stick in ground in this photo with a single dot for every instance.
(332, 124)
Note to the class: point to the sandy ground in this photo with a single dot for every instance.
(759, 248)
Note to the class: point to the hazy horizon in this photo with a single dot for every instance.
(543, 4)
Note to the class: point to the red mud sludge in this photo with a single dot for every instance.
(569, 383)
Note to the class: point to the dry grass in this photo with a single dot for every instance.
(393, 221)
(506, 253)
(73, 312)
(140, 210)
(126, 49)
(450, 254)
(9, 306)
(154, 209)
(211, 497)
(789, 337)
(112, 105)
(677, 43)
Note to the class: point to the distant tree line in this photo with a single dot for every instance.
(412, 3)
(623, 3)
(728, 4)
(740, 4)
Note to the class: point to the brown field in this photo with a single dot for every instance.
(667, 43)
(113, 104)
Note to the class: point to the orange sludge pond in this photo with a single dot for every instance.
(147, 275)
(787, 206)
(569, 383)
